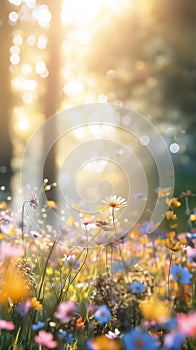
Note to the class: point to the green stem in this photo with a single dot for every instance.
(189, 223)
(28, 337)
(15, 347)
(83, 263)
(44, 272)
(168, 286)
(22, 228)
(122, 258)
(113, 220)
(106, 259)
(85, 258)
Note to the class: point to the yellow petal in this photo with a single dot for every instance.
(52, 204)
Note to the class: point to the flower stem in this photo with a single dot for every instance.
(83, 263)
(168, 286)
(189, 223)
(106, 259)
(113, 220)
(44, 272)
(22, 228)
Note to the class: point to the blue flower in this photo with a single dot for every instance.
(136, 340)
(181, 274)
(37, 326)
(70, 338)
(174, 341)
(136, 287)
(171, 323)
(120, 266)
(102, 314)
(62, 334)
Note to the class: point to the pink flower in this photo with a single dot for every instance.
(46, 339)
(191, 254)
(8, 251)
(187, 324)
(8, 325)
(65, 311)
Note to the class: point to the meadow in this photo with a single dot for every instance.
(108, 289)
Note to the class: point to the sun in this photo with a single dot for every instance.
(79, 12)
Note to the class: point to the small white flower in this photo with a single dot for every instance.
(36, 234)
(113, 335)
(115, 202)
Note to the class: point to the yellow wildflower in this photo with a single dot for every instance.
(15, 289)
(171, 243)
(192, 217)
(170, 215)
(155, 310)
(36, 304)
(173, 202)
(52, 204)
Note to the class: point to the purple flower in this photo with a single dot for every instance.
(102, 314)
(137, 340)
(72, 261)
(34, 201)
(136, 287)
(174, 341)
(181, 274)
(23, 308)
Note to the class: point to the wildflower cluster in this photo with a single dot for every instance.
(108, 289)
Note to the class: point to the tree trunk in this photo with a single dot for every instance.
(52, 97)
(5, 108)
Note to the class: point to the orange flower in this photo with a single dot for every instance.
(13, 290)
(80, 323)
(36, 304)
(104, 343)
(171, 243)
(52, 204)
(3, 205)
(155, 310)
(170, 215)
(173, 202)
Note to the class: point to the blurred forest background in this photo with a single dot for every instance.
(62, 53)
